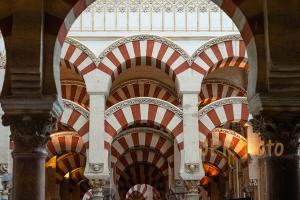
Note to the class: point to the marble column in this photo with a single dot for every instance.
(282, 168)
(30, 134)
(191, 156)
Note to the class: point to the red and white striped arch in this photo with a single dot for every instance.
(145, 173)
(64, 142)
(229, 139)
(143, 50)
(215, 158)
(76, 175)
(76, 92)
(227, 110)
(146, 191)
(212, 90)
(142, 137)
(228, 6)
(68, 162)
(77, 118)
(143, 110)
(76, 57)
(226, 51)
(138, 156)
(88, 195)
(141, 88)
(139, 189)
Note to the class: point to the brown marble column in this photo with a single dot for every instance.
(282, 170)
(30, 134)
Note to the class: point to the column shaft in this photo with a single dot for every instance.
(29, 176)
(191, 168)
(283, 177)
(97, 153)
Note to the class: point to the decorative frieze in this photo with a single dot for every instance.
(144, 100)
(74, 106)
(215, 41)
(221, 102)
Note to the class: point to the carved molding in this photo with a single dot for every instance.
(221, 102)
(215, 41)
(73, 106)
(144, 37)
(73, 82)
(143, 100)
(83, 48)
(231, 132)
(30, 131)
(224, 82)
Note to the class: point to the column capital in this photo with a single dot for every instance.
(29, 132)
(97, 187)
(281, 127)
(192, 186)
(3, 168)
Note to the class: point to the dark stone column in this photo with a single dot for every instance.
(30, 134)
(282, 171)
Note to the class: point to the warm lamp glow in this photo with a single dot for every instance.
(51, 162)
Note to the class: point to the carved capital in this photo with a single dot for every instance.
(283, 128)
(3, 168)
(192, 186)
(97, 187)
(29, 132)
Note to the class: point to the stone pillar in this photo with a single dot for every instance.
(282, 171)
(30, 134)
(97, 169)
(192, 190)
(191, 168)
(97, 155)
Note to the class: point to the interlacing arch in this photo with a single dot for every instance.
(144, 190)
(63, 142)
(232, 109)
(231, 140)
(147, 50)
(75, 117)
(225, 51)
(75, 91)
(135, 174)
(77, 57)
(67, 163)
(142, 137)
(138, 156)
(215, 158)
(212, 90)
(141, 110)
(141, 88)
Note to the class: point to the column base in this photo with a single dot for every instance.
(192, 197)
(97, 198)
(283, 177)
